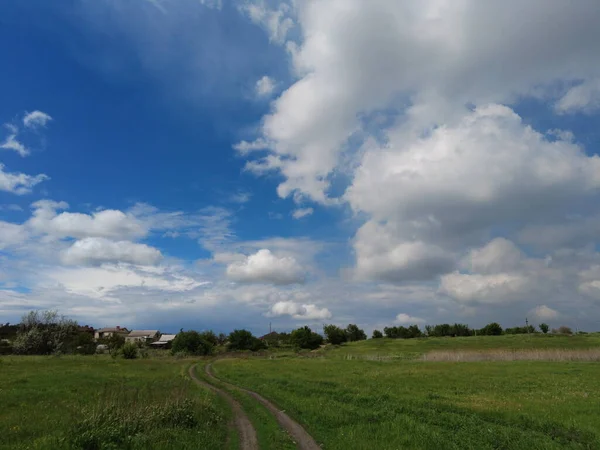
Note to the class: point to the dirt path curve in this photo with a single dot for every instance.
(303, 440)
(244, 427)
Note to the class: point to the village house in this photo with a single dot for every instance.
(104, 333)
(143, 336)
(164, 341)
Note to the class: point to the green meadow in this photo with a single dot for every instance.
(95, 402)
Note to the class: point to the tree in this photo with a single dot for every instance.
(306, 338)
(491, 329)
(191, 342)
(45, 333)
(222, 338)
(244, 340)
(377, 334)
(114, 342)
(544, 327)
(353, 333)
(334, 334)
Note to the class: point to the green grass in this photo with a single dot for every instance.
(359, 404)
(94, 401)
(412, 348)
(269, 434)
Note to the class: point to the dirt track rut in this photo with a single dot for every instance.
(244, 427)
(303, 440)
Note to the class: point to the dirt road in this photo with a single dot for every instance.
(245, 429)
(303, 440)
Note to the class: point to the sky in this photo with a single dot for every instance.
(221, 164)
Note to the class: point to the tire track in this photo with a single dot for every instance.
(303, 440)
(241, 422)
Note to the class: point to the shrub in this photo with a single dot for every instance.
(192, 343)
(130, 350)
(377, 334)
(306, 338)
(354, 333)
(544, 327)
(564, 330)
(244, 340)
(334, 334)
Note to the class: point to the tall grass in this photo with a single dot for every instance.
(97, 403)
(514, 355)
(126, 417)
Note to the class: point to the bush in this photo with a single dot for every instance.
(544, 327)
(354, 333)
(306, 338)
(564, 330)
(192, 343)
(377, 334)
(130, 350)
(334, 334)
(244, 340)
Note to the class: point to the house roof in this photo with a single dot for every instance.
(113, 330)
(167, 337)
(142, 333)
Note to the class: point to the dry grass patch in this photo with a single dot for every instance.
(592, 354)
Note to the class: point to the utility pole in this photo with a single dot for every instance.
(527, 325)
(269, 327)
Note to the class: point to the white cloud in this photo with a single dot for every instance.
(97, 251)
(584, 97)
(265, 86)
(11, 234)
(213, 4)
(299, 311)
(108, 223)
(265, 267)
(499, 255)
(423, 58)
(406, 319)
(19, 183)
(106, 281)
(11, 143)
(245, 147)
(484, 289)
(241, 197)
(302, 212)
(381, 255)
(543, 312)
(277, 22)
(36, 119)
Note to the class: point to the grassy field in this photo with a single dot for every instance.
(381, 394)
(94, 402)
(356, 403)
(414, 348)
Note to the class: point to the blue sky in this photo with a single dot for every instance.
(220, 164)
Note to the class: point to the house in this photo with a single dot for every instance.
(164, 341)
(143, 336)
(103, 333)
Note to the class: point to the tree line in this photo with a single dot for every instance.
(47, 333)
